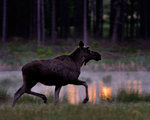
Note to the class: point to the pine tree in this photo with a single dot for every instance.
(4, 21)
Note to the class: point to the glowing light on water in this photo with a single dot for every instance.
(129, 81)
(90, 94)
(47, 90)
(128, 86)
(71, 94)
(77, 96)
(96, 91)
(140, 87)
(134, 86)
(105, 92)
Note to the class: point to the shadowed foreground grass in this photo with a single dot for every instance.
(127, 107)
(138, 111)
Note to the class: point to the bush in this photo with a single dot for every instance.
(3, 95)
(26, 99)
(132, 96)
(124, 96)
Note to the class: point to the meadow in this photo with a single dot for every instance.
(103, 111)
(124, 106)
(115, 57)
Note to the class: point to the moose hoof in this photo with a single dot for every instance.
(85, 100)
(45, 100)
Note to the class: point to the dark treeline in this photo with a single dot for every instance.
(40, 19)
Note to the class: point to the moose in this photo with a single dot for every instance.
(58, 72)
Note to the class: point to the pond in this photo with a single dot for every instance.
(101, 84)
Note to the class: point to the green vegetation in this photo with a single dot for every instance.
(130, 97)
(4, 97)
(114, 57)
(76, 112)
(27, 99)
(124, 107)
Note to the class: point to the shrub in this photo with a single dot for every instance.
(3, 95)
(124, 96)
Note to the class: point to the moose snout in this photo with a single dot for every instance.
(96, 55)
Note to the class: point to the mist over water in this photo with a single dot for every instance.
(101, 84)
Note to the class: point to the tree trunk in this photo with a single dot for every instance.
(42, 22)
(116, 22)
(112, 17)
(38, 23)
(67, 22)
(78, 19)
(88, 19)
(132, 20)
(85, 22)
(53, 36)
(146, 19)
(32, 33)
(63, 18)
(138, 19)
(4, 21)
(123, 17)
(99, 18)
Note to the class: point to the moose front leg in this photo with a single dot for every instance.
(79, 82)
(57, 91)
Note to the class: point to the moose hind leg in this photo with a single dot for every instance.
(17, 95)
(38, 95)
(79, 82)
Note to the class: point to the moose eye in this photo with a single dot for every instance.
(91, 52)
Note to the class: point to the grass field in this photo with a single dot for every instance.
(125, 106)
(114, 57)
(138, 111)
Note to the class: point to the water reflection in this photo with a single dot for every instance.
(93, 93)
(105, 91)
(134, 86)
(71, 94)
(103, 85)
(100, 91)
(97, 91)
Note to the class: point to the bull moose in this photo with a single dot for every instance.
(58, 72)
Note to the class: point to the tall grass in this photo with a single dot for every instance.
(28, 99)
(76, 112)
(32, 108)
(132, 97)
(4, 96)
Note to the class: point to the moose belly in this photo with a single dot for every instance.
(63, 78)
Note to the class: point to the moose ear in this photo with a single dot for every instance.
(81, 44)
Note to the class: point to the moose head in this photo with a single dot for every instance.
(88, 54)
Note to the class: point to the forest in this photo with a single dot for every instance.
(54, 20)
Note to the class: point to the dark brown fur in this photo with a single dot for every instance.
(59, 72)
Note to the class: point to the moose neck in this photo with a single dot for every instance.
(77, 58)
